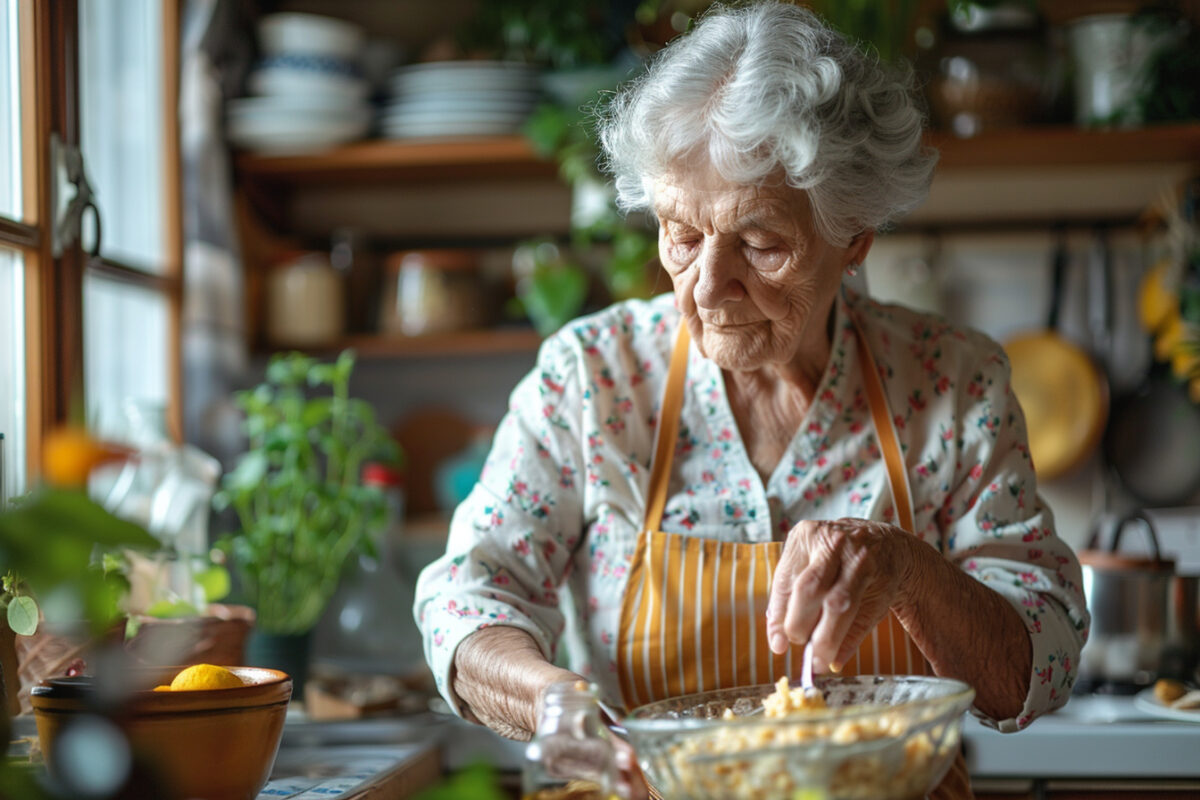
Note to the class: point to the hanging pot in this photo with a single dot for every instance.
(1061, 390)
(1143, 615)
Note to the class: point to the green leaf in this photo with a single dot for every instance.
(249, 472)
(65, 514)
(172, 609)
(553, 296)
(23, 616)
(214, 581)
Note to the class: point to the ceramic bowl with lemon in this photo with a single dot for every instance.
(206, 731)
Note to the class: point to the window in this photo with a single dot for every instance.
(12, 368)
(127, 320)
(10, 133)
(97, 77)
(120, 78)
(12, 284)
(124, 351)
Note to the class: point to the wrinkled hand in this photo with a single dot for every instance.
(834, 583)
(633, 783)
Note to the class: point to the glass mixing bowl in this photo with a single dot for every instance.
(886, 738)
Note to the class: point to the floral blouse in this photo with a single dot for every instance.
(544, 541)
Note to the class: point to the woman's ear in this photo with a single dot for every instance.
(856, 252)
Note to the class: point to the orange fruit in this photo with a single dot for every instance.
(70, 454)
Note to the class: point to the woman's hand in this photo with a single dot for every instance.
(834, 583)
(633, 783)
(500, 677)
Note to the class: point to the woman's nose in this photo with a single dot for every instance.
(717, 281)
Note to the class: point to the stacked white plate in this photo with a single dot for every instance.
(309, 91)
(459, 98)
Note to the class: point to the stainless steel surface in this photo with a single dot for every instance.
(1143, 614)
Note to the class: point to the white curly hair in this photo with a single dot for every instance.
(767, 86)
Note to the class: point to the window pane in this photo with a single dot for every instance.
(10, 117)
(12, 372)
(120, 94)
(124, 351)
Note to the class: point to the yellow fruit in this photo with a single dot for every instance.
(205, 676)
(1185, 363)
(162, 688)
(69, 454)
(1156, 303)
(1168, 338)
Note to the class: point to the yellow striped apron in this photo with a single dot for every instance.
(693, 616)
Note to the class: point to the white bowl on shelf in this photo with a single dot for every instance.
(301, 75)
(280, 134)
(313, 105)
(291, 32)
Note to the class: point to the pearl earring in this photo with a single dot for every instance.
(852, 269)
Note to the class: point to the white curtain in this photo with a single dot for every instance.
(216, 51)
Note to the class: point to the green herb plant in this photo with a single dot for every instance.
(296, 491)
(48, 542)
(48, 546)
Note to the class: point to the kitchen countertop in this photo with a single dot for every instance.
(1093, 736)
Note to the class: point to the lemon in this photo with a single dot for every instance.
(1169, 337)
(1185, 363)
(205, 676)
(1156, 302)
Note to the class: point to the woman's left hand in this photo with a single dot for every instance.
(834, 583)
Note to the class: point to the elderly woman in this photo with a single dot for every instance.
(686, 491)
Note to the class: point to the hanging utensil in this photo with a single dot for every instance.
(1062, 392)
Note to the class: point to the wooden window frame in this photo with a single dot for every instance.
(49, 105)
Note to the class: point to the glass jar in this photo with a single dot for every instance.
(432, 291)
(368, 628)
(992, 71)
(305, 302)
(571, 756)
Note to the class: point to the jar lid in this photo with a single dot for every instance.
(448, 259)
(375, 473)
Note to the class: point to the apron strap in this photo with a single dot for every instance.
(885, 432)
(672, 405)
(668, 430)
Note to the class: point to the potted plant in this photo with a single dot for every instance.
(49, 540)
(300, 505)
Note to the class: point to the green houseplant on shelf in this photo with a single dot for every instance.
(301, 508)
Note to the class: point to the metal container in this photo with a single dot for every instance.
(1143, 615)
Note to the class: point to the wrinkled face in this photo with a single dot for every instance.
(752, 278)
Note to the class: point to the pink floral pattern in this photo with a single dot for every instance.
(545, 541)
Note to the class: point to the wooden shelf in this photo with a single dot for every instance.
(512, 156)
(1068, 146)
(496, 341)
(495, 157)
